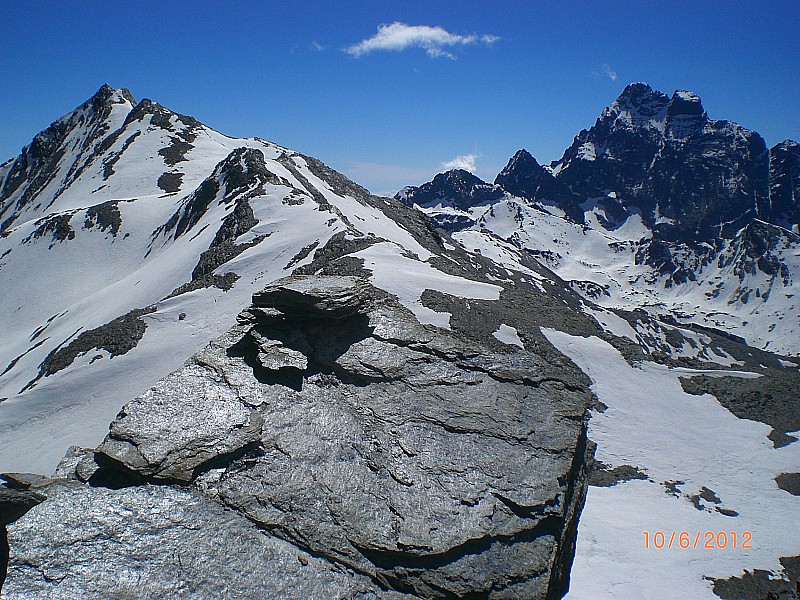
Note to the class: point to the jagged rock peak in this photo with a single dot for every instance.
(787, 145)
(108, 95)
(639, 99)
(161, 115)
(456, 187)
(522, 158)
(523, 176)
(459, 177)
(685, 103)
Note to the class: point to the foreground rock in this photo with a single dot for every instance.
(159, 542)
(14, 503)
(415, 459)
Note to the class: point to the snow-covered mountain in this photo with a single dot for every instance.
(655, 207)
(133, 235)
(382, 408)
(677, 230)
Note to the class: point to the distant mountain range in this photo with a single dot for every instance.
(656, 206)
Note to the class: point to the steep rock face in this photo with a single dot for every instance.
(523, 176)
(784, 185)
(427, 461)
(615, 153)
(457, 188)
(692, 177)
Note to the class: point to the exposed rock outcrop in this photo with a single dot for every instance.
(406, 458)
(160, 542)
(14, 503)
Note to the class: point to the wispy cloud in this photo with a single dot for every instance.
(463, 161)
(606, 70)
(317, 46)
(399, 36)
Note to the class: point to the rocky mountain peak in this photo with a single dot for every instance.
(107, 95)
(640, 99)
(685, 103)
(456, 187)
(458, 177)
(161, 115)
(522, 158)
(523, 176)
(79, 132)
(788, 146)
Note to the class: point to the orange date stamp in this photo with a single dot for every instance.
(685, 540)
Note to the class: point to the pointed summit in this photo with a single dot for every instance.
(523, 176)
(640, 100)
(107, 95)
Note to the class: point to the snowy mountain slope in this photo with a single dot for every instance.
(747, 285)
(699, 469)
(132, 235)
(655, 207)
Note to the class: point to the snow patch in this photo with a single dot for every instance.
(407, 279)
(508, 335)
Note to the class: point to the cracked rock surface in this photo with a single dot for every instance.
(159, 542)
(187, 419)
(407, 459)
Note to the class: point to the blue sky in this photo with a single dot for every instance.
(469, 79)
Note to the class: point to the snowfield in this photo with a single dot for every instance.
(652, 424)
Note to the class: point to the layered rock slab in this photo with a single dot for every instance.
(413, 455)
(407, 459)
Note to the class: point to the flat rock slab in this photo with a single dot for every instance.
(328, 297)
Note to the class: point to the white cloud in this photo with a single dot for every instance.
(317, 46)
(464, 161)
(399, 36)
(612, 75)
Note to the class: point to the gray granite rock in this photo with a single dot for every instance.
(404, 457)
(330, 297)
(413, 455)
(160, 542)
(188, 419)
